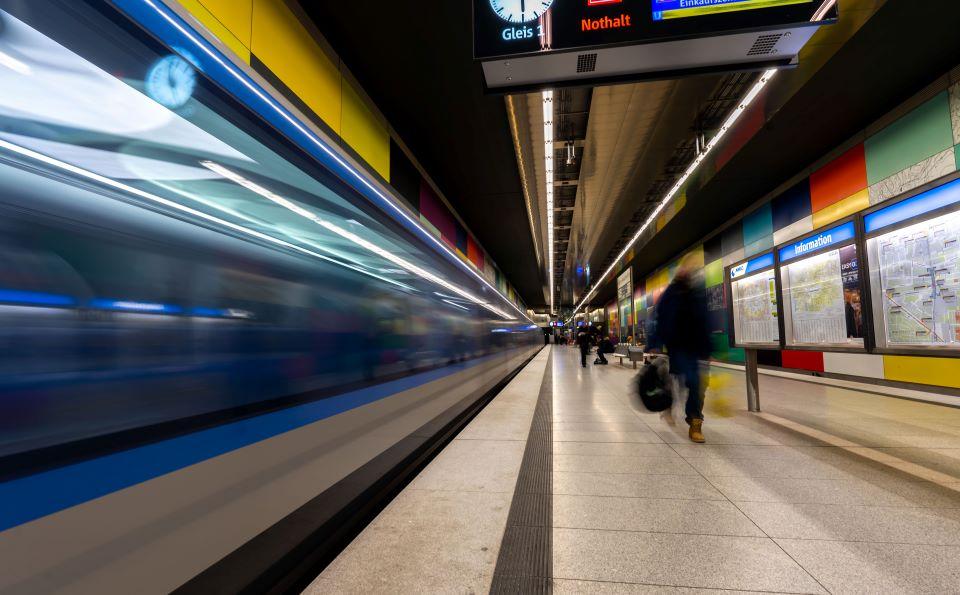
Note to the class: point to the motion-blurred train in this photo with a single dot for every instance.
(219, 340)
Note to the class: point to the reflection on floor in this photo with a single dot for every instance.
(830, 490)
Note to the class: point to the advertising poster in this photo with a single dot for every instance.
(625, 305)
(853, 307)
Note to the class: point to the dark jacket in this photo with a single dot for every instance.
(585, 342)
(681, 320)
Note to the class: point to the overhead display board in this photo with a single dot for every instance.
(631, 39)
(681, 9)
(913, 249)
(821, 289)
(753, 291)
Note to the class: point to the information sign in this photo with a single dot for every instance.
(635, 37)
(753, 290)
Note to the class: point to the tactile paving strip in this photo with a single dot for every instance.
(525, 563)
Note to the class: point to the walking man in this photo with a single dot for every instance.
(682, 327)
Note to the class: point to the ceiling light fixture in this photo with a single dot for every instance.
(548, 154)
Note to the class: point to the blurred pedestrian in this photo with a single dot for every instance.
(682, 328)
(605, 346)
(584, 342)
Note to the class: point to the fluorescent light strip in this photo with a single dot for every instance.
(822, 11)
(731, 119)
(367, 245)
(548, 155)
(283, 113)
(751, 95)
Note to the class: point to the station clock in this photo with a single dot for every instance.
(520, 11)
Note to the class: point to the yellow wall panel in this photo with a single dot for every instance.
(937, 371)
(844, 208)
(361, 129)
(236, 15)
(215, 26)
(281, 43)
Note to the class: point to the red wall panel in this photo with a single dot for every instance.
(844, 176)
(803, 360)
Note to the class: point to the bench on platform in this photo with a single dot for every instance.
(629, 353)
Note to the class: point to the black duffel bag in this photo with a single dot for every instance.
(653, 384)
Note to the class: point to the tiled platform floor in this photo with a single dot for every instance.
(800, 499)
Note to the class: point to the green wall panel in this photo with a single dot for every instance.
(713, 273)
(921, 134)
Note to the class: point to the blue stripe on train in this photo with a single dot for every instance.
(29, 498)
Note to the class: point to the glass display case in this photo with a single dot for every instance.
(913, 253)
(753, 303)
(821, 290)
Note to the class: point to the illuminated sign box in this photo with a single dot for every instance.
(678, 9)
(532, 45)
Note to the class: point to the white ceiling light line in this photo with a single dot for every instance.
(822, 11)
(307, 214)
(282, 112)
(751, 95)
(548, 154)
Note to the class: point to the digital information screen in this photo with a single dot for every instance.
(514, 27)
(678, 9)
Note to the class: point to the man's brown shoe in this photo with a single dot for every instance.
(696, 431)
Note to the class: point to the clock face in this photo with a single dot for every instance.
(171, 82)
(520, 11)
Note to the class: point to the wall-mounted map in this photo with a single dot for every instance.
(755, 309)
(919, 274)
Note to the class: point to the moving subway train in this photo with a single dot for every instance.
(219, 339)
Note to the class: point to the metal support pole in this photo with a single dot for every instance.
(753, 381)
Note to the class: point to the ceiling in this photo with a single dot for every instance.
(630, 141)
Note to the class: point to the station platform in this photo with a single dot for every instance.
(564, 483)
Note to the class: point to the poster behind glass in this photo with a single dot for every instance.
(822, 295)
(915, 282)
(755, 309)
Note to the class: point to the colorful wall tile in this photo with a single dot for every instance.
(919, 135)
(844, 208)
(758, 231)
(713, 273)
(922, 370)
(433, 209)
(864, 365)
(843, 177)
(939, 165)
(803, 360)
